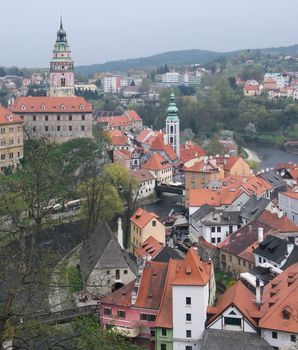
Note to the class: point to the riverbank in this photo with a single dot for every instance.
(251, 155)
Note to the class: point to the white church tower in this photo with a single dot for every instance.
(173, 126)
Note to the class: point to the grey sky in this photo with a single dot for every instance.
(103, 30)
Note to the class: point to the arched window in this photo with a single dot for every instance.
(171, 129)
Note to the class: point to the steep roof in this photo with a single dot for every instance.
(151, 285)
(230, 162)
(7, 117)
(216, 339)
(237, 295)
(132, 115)
(151, 246)
(156, 162)
(102, 250)
(274, 179)
(159, 145)
(192, 271)
(167, 253)
(49, 104)
(141, 217)
(121, 296)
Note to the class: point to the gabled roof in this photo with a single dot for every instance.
(237, 296)
(142, 217)
(48, 104)
(230, 162)
(273, 178)
(192, 271)
(167, 253)
(191, 151)
(7, 117)
(102, 250)
(132, 115)
(201, 212)
(159, 145)
(272, 248)
(151, 247)
(156, 162)
(281, 224)
(121, 296)
(122, 153)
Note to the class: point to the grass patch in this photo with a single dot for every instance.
(224, 278)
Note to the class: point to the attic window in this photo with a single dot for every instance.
(81, 107)
(62, 107)
(232, 313)
(188, 270)
(23, 108)
(42, 107)
(286, 314)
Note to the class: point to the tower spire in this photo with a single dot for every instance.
(61, 24)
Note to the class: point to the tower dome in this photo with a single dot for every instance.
(173, 126)
(172, 109)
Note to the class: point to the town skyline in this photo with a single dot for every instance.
(98, 38)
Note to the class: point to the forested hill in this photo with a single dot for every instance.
(174, 58)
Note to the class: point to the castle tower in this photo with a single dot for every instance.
(173, 126)
(61, 67)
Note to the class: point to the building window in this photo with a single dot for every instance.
(218, 229)
(11, 130)
(83, 127)
(188, 300)
(274, 335)
(34, 118)
(70, 128)
(188, 317)
(58, 128)
(107, 311)
(293, 338)
(62, 82)
(164, 332)
(34, 128)
(125, 272)
(11, 155)
(143, 317)
(2, 130)
(58, 117)
(260, 259)
(163, 346)
(231, 321)
(46, 118)
(117, 275)
(153, 223)
(212, 229)
(188, 333)
(188, 347)
(46, 128)
(108, 272)
(2, 156)
(212, 240)
(83, 116)
(11, 141)
(151, 318)
(70, 117)
(121, 314)
(152, 332)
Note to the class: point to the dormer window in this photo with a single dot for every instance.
(43, 107)
(62, 107)
(81, 107)
(286, 314)
(23, 108)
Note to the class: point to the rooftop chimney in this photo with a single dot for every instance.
(120, 232)
(258, 291)
(260, 234)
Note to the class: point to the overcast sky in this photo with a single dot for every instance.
(104, 30)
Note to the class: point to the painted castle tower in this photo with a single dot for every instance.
(61, 67)
(173, 126)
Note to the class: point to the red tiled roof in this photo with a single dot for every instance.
(200, 196)
(156, 162)
(159, 145)
(119, 140)
(293, 195)
(133, 115)
(122, 153)
(7, 117)
(120, 297)
(251, 87)
(49, 104)
(151, 285)
(115, 121)
(143, 135)
(192, 271)
(142, 175)
(141, 217)
(191, 151)
(282, 224)
(151, 247)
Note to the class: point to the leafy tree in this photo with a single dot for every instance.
(214, 146)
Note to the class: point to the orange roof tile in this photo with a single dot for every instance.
(200, 196)
(192, 271)
(141, 217)
(293, 195)
(151, 247)
(49, 104)
(282, 224)
(191, 151)
(142, 175)
(159, 145)
(7, 117)
(133, 115)
(156, 162)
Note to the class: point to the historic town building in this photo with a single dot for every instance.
(173, 126)
(61, 67)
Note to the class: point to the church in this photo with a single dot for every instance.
(61, 116)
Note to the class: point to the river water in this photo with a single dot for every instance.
(270, 156)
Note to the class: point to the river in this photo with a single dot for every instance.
(270, 156)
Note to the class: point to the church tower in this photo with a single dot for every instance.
(61, 67)
(173, 126)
